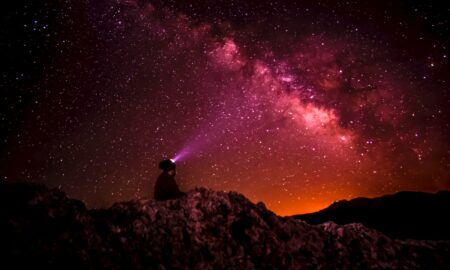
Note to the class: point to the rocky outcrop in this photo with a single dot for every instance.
(403, 215)
(205, 230)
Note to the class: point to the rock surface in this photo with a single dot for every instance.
(403, 215)
(207, 229)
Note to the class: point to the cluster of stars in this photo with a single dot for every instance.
(296, 105)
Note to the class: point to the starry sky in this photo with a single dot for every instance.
(293, 103)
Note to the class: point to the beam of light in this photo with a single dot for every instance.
(185, 152)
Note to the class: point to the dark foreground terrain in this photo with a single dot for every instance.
(43, 229)
(404, 215)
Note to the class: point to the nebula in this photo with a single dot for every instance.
(295, 105)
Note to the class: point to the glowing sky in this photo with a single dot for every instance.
(295, 105)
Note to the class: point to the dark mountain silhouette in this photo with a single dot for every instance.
(404, 215)
(43, 229)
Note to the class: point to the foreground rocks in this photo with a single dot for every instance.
(403, 215)
(205, 230)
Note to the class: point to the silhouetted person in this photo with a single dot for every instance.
(166, 188)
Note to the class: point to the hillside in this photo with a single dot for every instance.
(207, 229)
(404, 215)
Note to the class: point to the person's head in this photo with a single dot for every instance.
(167, 166)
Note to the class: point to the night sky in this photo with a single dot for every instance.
(293, 104)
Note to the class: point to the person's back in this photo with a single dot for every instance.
(166, 187)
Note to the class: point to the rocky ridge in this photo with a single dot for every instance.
(205, 230)
(403, 215)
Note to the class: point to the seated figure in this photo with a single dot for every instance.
(166, 187)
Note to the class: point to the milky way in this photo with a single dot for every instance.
(295, 105)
